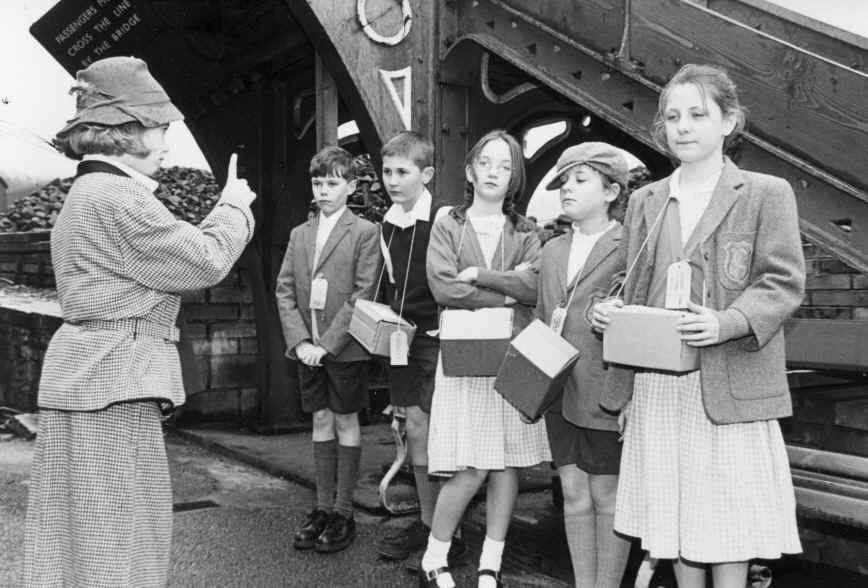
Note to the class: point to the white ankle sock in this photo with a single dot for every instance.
(436, 556)
(490, 559)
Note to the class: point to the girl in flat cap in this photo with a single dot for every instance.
(100, 505)
(576, 270)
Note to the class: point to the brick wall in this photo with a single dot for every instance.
(25, 258)
(24, 337)
(222, 331)
(834, 289)
(220, 328)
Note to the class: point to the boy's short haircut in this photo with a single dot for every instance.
(412, 145)
(102, 139)
(332, 161)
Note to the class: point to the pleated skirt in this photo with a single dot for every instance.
(100, 505)
(472, 426)
(690, 488)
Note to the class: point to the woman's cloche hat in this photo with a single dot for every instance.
(118, 90)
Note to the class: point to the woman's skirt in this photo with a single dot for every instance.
(472, 426)
(704, 492)
(100, 504)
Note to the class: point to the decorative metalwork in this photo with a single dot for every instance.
(401, 98)
(373, 35)
(493, 96)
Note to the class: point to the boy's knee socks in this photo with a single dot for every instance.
(325, 459)
(349, 458)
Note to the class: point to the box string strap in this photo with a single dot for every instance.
(643, 246)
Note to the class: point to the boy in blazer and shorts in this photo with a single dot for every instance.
(330, 262)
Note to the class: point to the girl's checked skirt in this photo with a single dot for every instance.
(100, 504)
(472, 426)
(707, 493)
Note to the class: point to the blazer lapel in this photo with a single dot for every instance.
(341, 228)
(561, 255)
(653, 208)
(605, 246)
(310, 241)
(726, 192)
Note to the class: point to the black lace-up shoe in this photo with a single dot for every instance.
(338, 533)
(314, 525)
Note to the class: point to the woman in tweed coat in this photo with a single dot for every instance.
(100, 505)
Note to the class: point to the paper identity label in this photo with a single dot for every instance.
(678, 278)
(319, 288)
(398, 348)
(559, 317)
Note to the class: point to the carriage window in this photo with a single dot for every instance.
(545, 205)
(538, 136)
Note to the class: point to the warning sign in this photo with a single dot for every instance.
(78, 32)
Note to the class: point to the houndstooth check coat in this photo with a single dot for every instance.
(118, 253)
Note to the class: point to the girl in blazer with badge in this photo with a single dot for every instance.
(576, 270)
(703, 458)
(481, 254)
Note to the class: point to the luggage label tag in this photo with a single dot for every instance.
(399, 349)
(559, 317)
(678, 278)
(319, 288)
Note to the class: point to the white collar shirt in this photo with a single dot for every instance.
(404, 219)
(691, 205)
(324, 228)
(580, 248)
(138, 176)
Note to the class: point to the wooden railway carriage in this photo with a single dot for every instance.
(273, 79)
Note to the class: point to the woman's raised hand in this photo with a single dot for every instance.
(236, 189)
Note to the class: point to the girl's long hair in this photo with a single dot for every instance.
(515, 188)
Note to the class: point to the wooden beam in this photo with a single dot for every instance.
(798, 101)
(828, 462)
(326, 107)
(832, 208)
(827, 343)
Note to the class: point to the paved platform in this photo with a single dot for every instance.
(290, 456)
(536, 552)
